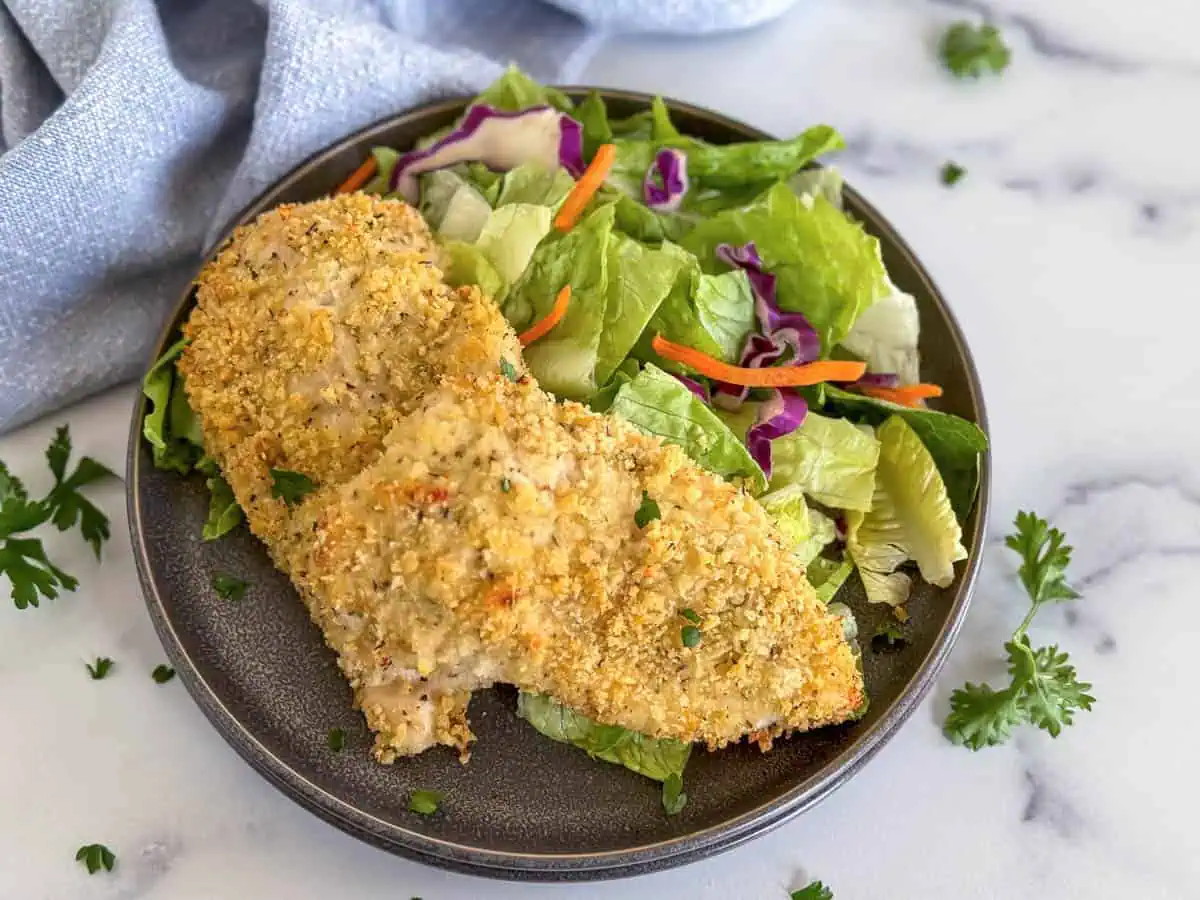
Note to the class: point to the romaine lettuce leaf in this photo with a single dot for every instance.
(509, 236)
(954, 443)
(808, 531)
(182, 424)
(825, 181)
(466, 264)
(534, 183)
(385, 162)
(177, 443)
(515, 90)
(641, 222)
(718, 165)
(564, 361)
(168, 450)
(224, 514)
(659, 404)
(631, 160)
(592, 114)
(452, 207)
(639, 278)
(662, 129)
(910, 518)
(712, 313)
(886, 337)
(831, 460)
(657, 758)
(724, 307)
(481, 178)
(826, 266)
(827, 576)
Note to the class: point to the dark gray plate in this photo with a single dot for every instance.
(525, 807)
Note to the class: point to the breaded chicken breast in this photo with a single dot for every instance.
(497, 540)
(316, 329)
(467, 529)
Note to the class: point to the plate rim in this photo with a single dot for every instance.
(560, 866)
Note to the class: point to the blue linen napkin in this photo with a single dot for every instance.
(131, 131)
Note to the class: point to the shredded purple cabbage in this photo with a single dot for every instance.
(879, 379)
(782, 414)
(694, 386)
(500, 140)
(757, 353)
(570, 145)
(790, 328)
(840, 527)
(666, 180)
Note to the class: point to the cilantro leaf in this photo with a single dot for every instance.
(691, 615)
(229, 587)
(508, 370)
(100, 668)
(162, 674)
(689, 636)
(814, 891)
(96, 857)
(673, 797)
(970, 51)
(424, 803)
(647, 512)
(1044, 557)
(952, 173)
(290, 487)
(981, 717)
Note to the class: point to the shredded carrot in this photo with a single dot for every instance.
(358, 177)
(908, 395)
(552, 318)
(778, 376)
(585, 188)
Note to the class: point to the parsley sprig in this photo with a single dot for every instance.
(31, 574)
(1044, 690)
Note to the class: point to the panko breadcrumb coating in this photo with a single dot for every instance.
(468, 529)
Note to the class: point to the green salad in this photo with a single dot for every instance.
(721, 298)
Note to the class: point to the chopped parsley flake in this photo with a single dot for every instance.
(101, 667)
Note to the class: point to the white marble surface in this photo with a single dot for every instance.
(1071, 254)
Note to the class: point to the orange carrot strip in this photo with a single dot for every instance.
(585, 188)
(358, 177)
(541, 328)
(908, 395)
(779, 376)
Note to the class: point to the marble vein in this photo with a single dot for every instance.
(1162, 211)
